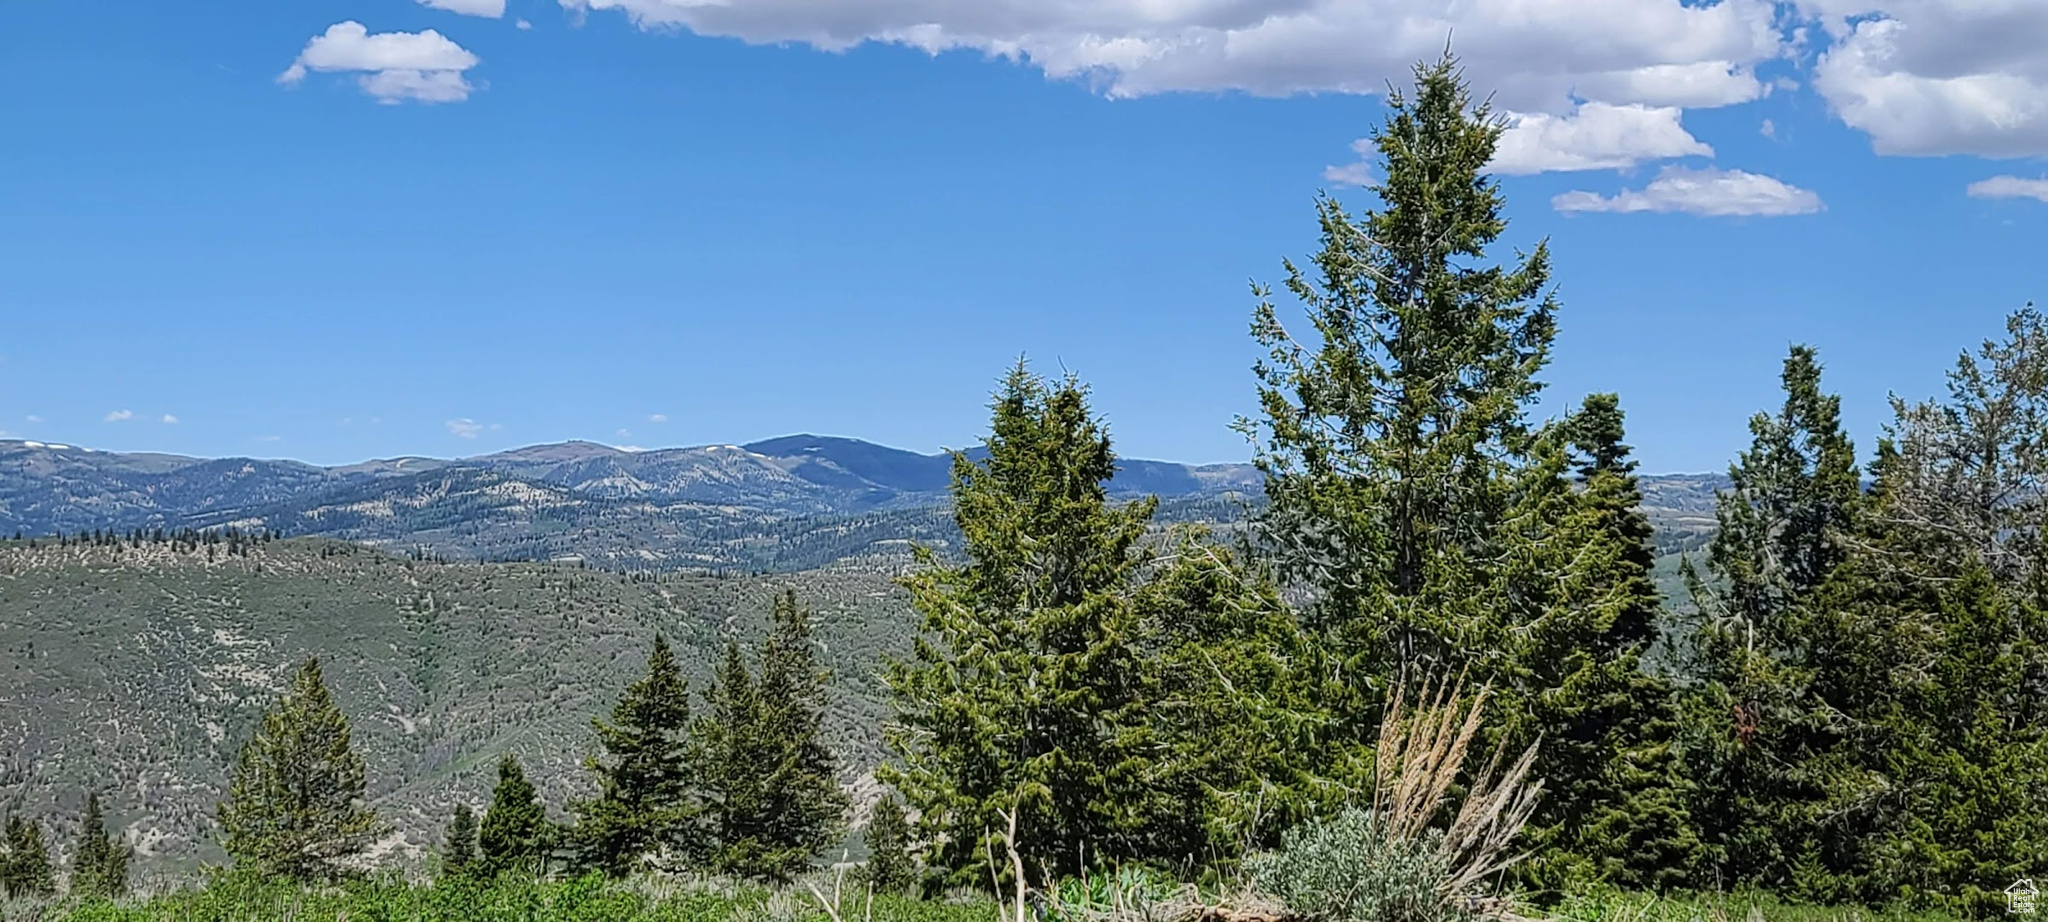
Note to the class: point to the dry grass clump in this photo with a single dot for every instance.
(1431, 839)
(1417, 765)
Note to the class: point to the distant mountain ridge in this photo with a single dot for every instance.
(709, 506)
(783, 504)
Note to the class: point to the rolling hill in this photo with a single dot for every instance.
(137, 671)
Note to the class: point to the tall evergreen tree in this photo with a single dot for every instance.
(1615, 807)
(645, 807)
(515, 835)
(733, 759)
(1042, 683)
(1936, 658)
(1407, 490)
(1436, 527)
(889, 867)
(1023, 669)
(459, 847)
(806, 807)
(99, 862)
(25, 870)
(772, 795)
(1388, 446)
(1761, 738)
(295, 807)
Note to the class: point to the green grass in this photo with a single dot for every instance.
(233, 899)
(1738, 907)
(583, 900)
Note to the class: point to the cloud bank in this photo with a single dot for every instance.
(1585, 84)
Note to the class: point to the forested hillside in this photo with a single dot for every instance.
(138, 670)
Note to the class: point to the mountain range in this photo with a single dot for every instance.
(781, 505)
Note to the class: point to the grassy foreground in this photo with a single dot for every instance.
(1640, 907)
(584, 900)
(596, 900)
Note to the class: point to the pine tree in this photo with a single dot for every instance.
(1970, 760)
(114, 874)
(645, 808)
(1761, 739)
(1935, 652)
(515, 835)
(733, 756)
(1437, 529)
(460, 844)
(99, 862)
(1062, 674)
(1976, 464)
(772, 797)
(25, 871)
(1614, 809)
(889, 868)
(1023, 670)
(295, 807)
(1390, 443)
(1239, 749)
(806, 807)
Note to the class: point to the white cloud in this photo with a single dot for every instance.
(1357, 173)
(1598, 136)
(2010, 187)
(1537, 52)
(391, 66)
(489, 9)
(1768, 129)
(1698, 85)
(1350, 174)
(657, 417)
(1936, 77)
(464, 428)
(268, 438)
(624, 434)
(170, 420)
(1920, 77)
(1593, 84)
(34, 418)
(1710, 192)
(120, 416)
(523, 25)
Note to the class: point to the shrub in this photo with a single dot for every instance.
(1394, 863)
(1349, 868)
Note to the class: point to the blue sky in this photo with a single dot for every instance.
(341, 229)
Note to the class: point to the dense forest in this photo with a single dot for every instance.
(1432, 678)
